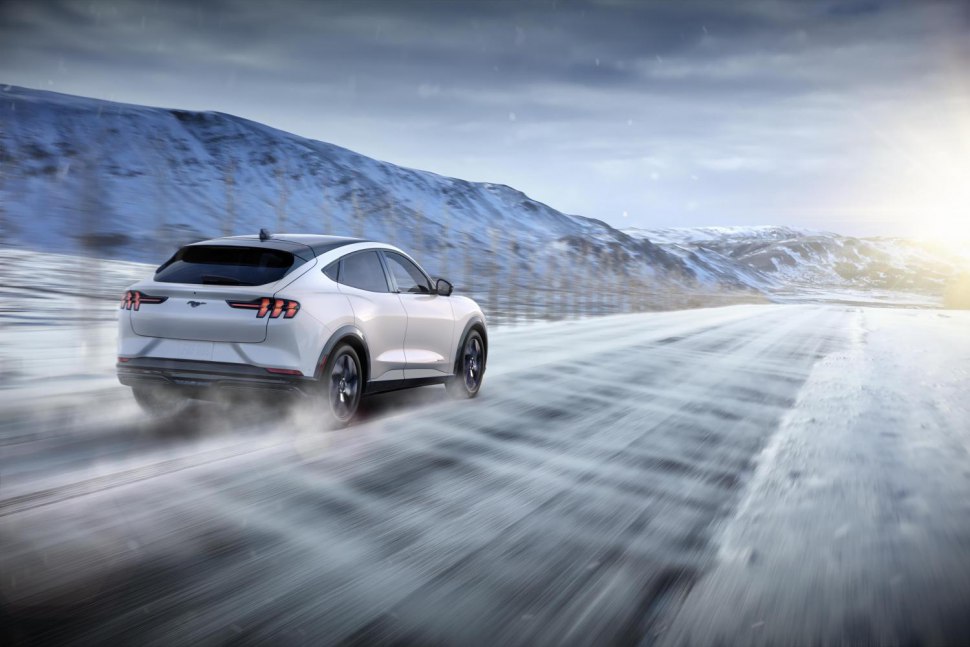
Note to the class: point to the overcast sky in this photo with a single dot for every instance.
(849, 116)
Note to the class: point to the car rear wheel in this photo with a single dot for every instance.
(343, 385)
(471, 368)
(159, 400)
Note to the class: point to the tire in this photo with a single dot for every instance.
(470, 368)
(159, 400)
(342, 385)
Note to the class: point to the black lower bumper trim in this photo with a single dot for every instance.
(196, 375)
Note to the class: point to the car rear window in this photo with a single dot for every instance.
(226, 265)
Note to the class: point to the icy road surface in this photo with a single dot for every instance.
(744, 475)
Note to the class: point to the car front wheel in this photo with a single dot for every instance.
(471, 368)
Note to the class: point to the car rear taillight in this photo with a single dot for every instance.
(266, 305)
(134, 299)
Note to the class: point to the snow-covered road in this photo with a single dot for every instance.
(750, 474)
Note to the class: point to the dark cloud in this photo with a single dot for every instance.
(674, 111)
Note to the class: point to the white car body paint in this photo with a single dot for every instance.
(406, 335)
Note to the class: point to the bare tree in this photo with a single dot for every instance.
(358, 217)
(644, 294)
(553, 301)
(609, 289)
(92, 209)
(162, 234)
(391, 222)
(282, 198)
(229, 182)
(327, 216)
(471, 285)
(5, 156)
(492, 273)
(571, 284)
(91, 204)
(532, 289)
(622, 288)
(446, 238)
(417, 230)
(510, 302)
(596, 281)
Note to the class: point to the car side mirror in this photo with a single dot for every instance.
(443, 288)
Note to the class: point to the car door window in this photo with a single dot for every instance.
(408, 277)
(363, 270)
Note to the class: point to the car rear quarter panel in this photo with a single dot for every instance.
(326, 310)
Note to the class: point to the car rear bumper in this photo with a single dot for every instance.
(201, 377)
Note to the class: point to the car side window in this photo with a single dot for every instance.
(407, 275)
(332, 271)
(363, 271)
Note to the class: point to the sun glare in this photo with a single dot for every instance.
(942, 214)
(919, 165)
(933, 201)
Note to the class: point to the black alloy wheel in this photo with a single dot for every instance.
(344, 386)
(471, 367)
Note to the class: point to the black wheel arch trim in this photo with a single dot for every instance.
(477, 323)
(341, 334)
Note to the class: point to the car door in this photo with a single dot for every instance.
(428, 340)
(378, 311)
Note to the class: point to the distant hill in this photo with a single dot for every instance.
(773, 259)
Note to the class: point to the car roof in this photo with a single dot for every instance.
(293, 243)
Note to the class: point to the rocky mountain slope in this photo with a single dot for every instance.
(122, 181)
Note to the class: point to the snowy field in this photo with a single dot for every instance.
(754, 474)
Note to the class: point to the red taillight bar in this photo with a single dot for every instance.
(134, 299)
(265, 305)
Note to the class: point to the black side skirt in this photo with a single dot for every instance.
(396, 385)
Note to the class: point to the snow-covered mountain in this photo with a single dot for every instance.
(783, 259)
(122, 181)
(96, 178)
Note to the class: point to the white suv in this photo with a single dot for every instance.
(322, 316)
